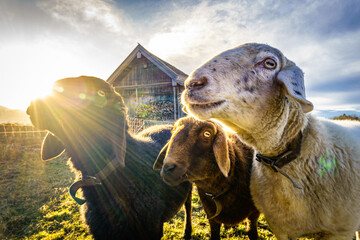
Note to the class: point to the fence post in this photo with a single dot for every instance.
(4, 130)
(12, 130)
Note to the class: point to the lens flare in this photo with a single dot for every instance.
(327, 165)
(58, 89)
(82, 96)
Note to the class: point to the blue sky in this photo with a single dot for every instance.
(42, 41)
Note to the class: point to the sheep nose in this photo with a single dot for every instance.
(169, 168)
(197, 83)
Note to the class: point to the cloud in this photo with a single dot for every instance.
(336, 100)
(56, 39)
(319, 36)
(88, 15)
(190, 35)
(301, 29)
(332, 18)
(70, 37)
(343, 85)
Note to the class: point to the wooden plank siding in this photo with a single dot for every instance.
(141, 71)
(141, 82)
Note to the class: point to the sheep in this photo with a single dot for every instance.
(306, 173)
(219, 164)
(125, 198)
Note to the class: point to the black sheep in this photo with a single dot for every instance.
(125, 198)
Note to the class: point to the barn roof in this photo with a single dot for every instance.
(175, 74)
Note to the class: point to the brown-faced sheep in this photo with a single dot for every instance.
(219, 164)
(125, 197)
(307, 177)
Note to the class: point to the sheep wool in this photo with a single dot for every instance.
(260, 94)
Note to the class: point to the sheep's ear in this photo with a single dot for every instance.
(221, 151)
(51, 147)
(160, 159)
(293, 79)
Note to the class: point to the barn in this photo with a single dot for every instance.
(150, 86)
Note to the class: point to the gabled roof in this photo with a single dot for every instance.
(175, 74)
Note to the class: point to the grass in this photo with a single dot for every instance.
(33, 194)
(34, 203)
(201, 229)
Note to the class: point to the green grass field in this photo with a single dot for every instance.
(34, 203)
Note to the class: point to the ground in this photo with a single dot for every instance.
(35, 204)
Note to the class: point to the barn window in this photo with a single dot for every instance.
(138, 55)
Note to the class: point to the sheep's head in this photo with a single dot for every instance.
(239, 83)
(196, 151)
(87, 116)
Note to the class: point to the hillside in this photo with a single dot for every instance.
(335, 113)
(347, 117)
(13, 116)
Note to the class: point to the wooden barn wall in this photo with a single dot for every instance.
(141, 71)
(180, 113)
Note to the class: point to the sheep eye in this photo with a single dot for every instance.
(207, 134)
(269, 63)
(101, 93)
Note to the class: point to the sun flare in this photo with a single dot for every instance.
(42, 64)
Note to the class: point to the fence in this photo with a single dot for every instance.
(138, 124)
(17, 130)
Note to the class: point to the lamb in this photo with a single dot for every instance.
(125, 198)
(306, 173)
(219, 164)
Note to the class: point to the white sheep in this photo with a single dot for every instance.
(307, 177)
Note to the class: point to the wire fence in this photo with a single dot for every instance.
(18, 130)
(136, 124)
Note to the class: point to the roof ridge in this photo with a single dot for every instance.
(174, 73)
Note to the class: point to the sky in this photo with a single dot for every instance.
(42, 41)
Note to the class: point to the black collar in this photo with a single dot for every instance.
(88, 181)
(291, 153)
(216, 196)
(217, 202)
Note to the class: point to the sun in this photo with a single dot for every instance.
(32, 73)
(43, 88)
(20, 97)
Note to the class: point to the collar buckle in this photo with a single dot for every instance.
(85, 182)
(268, 161)
(218, 205)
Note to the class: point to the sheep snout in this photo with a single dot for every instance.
(196, 84)
(169, 168)
(173, 174)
